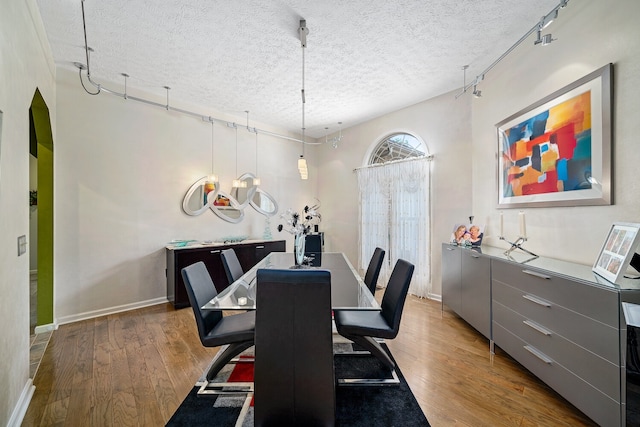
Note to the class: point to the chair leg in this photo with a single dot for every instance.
(223, 358)
(373, 347)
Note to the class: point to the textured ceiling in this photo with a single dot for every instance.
(363, 58)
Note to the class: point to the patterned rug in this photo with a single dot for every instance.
(356, 406)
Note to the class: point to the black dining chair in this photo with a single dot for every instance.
(231, 265)
(363, 327)
(237, 331)
(373, 271)
(294, 377)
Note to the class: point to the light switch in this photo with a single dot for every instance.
(22, 244)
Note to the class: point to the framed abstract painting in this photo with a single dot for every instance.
(617, 251)
(557, 152)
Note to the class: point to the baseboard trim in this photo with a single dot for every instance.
(434, 297)
(45, 328)
(23, 404)
(111, 310)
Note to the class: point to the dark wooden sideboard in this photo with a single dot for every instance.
(179, 257)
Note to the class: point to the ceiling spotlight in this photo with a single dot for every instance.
(476, 93)
(543, 40)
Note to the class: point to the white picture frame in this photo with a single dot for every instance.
(617, 251)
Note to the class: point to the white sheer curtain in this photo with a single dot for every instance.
(394, 215)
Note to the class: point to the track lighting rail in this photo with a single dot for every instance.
(100, 88)
(544, 21)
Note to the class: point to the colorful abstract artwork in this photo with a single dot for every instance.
(557, 152)
(551, 151)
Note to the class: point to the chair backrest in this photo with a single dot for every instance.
(396, 294)
(231, 265)
(294, 379)
(200, 290)
(373, 271)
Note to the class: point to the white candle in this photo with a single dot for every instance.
(501, 225)
(523, 226)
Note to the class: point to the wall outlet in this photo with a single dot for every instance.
(22, 244)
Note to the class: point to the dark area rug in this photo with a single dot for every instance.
(356, 406)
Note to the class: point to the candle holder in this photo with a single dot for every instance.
(517, 245)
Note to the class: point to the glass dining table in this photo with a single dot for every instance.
(348, 291)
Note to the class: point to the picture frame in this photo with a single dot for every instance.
(617, 251)
(463, 235)
(557, 151)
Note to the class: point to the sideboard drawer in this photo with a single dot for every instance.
(598, 406)
(597, 371)
(597, 337)
(591, 301)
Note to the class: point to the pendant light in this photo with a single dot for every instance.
(212, 179)
(302, 162)
(237, 183)
(256, 179)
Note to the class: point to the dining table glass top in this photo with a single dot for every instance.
(348, 291)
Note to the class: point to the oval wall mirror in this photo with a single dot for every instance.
(200, 196)
(229, 213)
(243, 195)
(264, 203)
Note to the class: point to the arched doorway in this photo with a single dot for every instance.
(41, 148)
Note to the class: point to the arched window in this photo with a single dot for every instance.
(394, 207)
(397, 146)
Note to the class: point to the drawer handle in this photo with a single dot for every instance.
(537, 327)
(450, 249)
(537, 300)
(537, 353)
(475, 256)
(216, 252)
(535, 273)
(260, 247)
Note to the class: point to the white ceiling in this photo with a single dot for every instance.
(364, 58)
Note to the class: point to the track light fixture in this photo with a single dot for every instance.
(336, 139)
(476, 93)
(543, 40)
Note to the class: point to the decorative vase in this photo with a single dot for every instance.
(298, 248)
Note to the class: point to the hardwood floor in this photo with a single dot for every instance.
(135, 368)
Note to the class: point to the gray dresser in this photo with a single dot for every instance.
(558, 319)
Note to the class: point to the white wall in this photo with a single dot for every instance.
(25, 64)
(443, 124)
(590, 35)
(464, 181)
(122, 169)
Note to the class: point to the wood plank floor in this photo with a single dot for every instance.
(134, 369)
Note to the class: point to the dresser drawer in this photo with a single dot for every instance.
(591, 301)
(601, 339)
(600, 373)
(598, 406)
